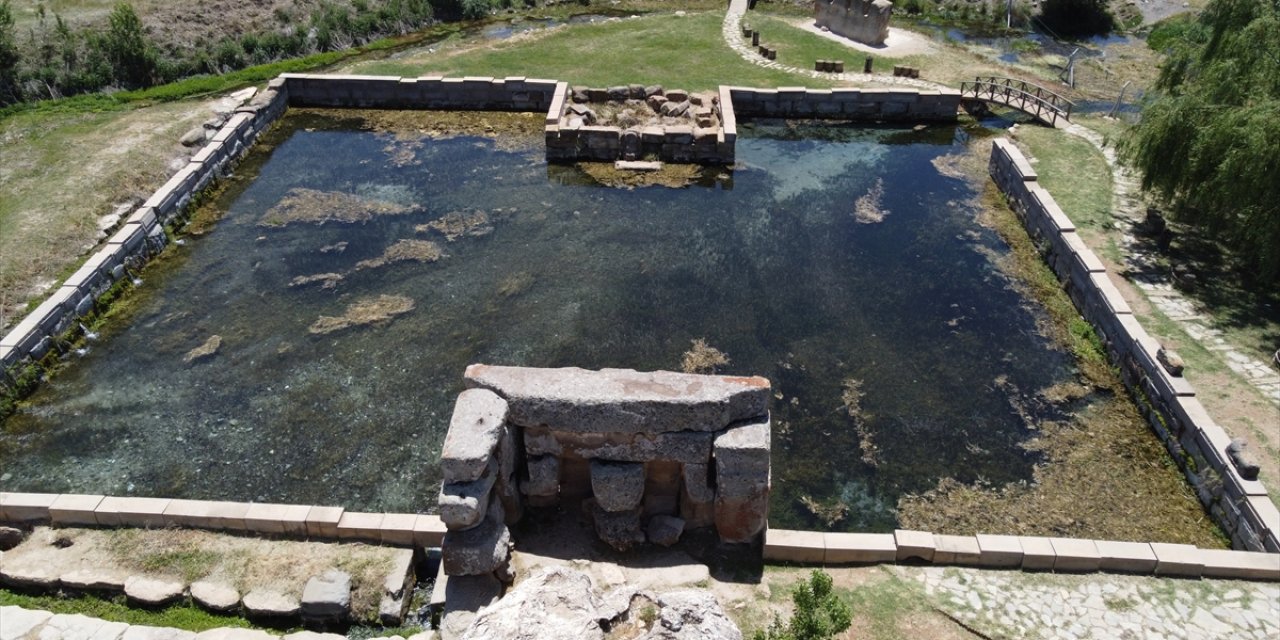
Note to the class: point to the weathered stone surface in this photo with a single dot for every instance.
(619, 529)
(79, 627)
(474, 431)
(507, 487)
(215, 596)
(312, 635)
(741, 510)
(193, 137)
(618, 400)
(10, 537)
(691, 614)
(1170, 360)
(1243, 459)
(463, 504)
(617, 486)
(479, 550)
(677, 95)
(556, 603)
(42, 578)
(673, 109)
(544, 476)
(153, 592)
(865, 21)
(16, 622)
(231, 633)
(397, 589)
(264, 603)
(94, 579)
(680, 446)
(140, 632)
(464, 597)
(327, 597)
(742, 451)
(697, 483)
(664, 530)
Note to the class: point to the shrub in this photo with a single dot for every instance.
(819, 613)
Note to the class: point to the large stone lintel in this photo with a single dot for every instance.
(622, 400)
(689, 447)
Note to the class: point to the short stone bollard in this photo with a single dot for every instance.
(837, 66)
(755, 38)
(820, 65)
(866, 66)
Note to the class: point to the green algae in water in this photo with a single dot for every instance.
(772, 267)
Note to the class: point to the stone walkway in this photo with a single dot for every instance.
(1011, 604)
(1157, 283)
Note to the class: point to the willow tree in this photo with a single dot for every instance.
(1209, 141)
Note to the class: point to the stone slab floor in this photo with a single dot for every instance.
(1009, 604)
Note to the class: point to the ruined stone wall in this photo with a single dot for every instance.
(709, 138)
(671, 450)
(481, 93)
(1166, 399)
(140, 237)
(865, 21)
(887, 105)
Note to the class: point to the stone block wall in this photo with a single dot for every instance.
(568, 137)
(428, 92)
(140, 237)
(1166, 399)
(671, 449)
(865, 21)
(876, 105)
(1029, 553)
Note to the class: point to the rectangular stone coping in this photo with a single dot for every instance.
(1016, 159)
(622, 400)
(294, 520)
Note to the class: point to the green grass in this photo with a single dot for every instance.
(1074, 172)
(880, 603)
(686, 52)
(181, 616)
(800, 48)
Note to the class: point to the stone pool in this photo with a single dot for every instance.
(353, 270)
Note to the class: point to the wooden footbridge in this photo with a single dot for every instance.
(1033, 100)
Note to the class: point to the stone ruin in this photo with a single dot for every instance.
(636, 122)
(865, 21)
(646, 455)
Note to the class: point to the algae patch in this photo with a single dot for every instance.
(325, 280)
(459, 224)
(869, 209)
(674, 175)
(363, 312)
(207, 350)
(404, 251)
(703, 358)
(313, 206)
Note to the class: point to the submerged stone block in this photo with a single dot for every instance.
(621, 400)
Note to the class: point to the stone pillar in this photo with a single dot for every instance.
(742, 480)
(477, 541)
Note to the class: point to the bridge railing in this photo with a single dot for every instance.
(1024, 96)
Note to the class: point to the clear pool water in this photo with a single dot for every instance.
(773, 267)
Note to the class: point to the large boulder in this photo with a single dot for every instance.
(691, 614)
(619, 529)
(556, 603)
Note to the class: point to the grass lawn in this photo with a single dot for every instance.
(799, 48)
(674, 51)
(1077, 175)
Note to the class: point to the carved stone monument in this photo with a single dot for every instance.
(865, 21)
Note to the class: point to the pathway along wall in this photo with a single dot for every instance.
(1242, 507)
